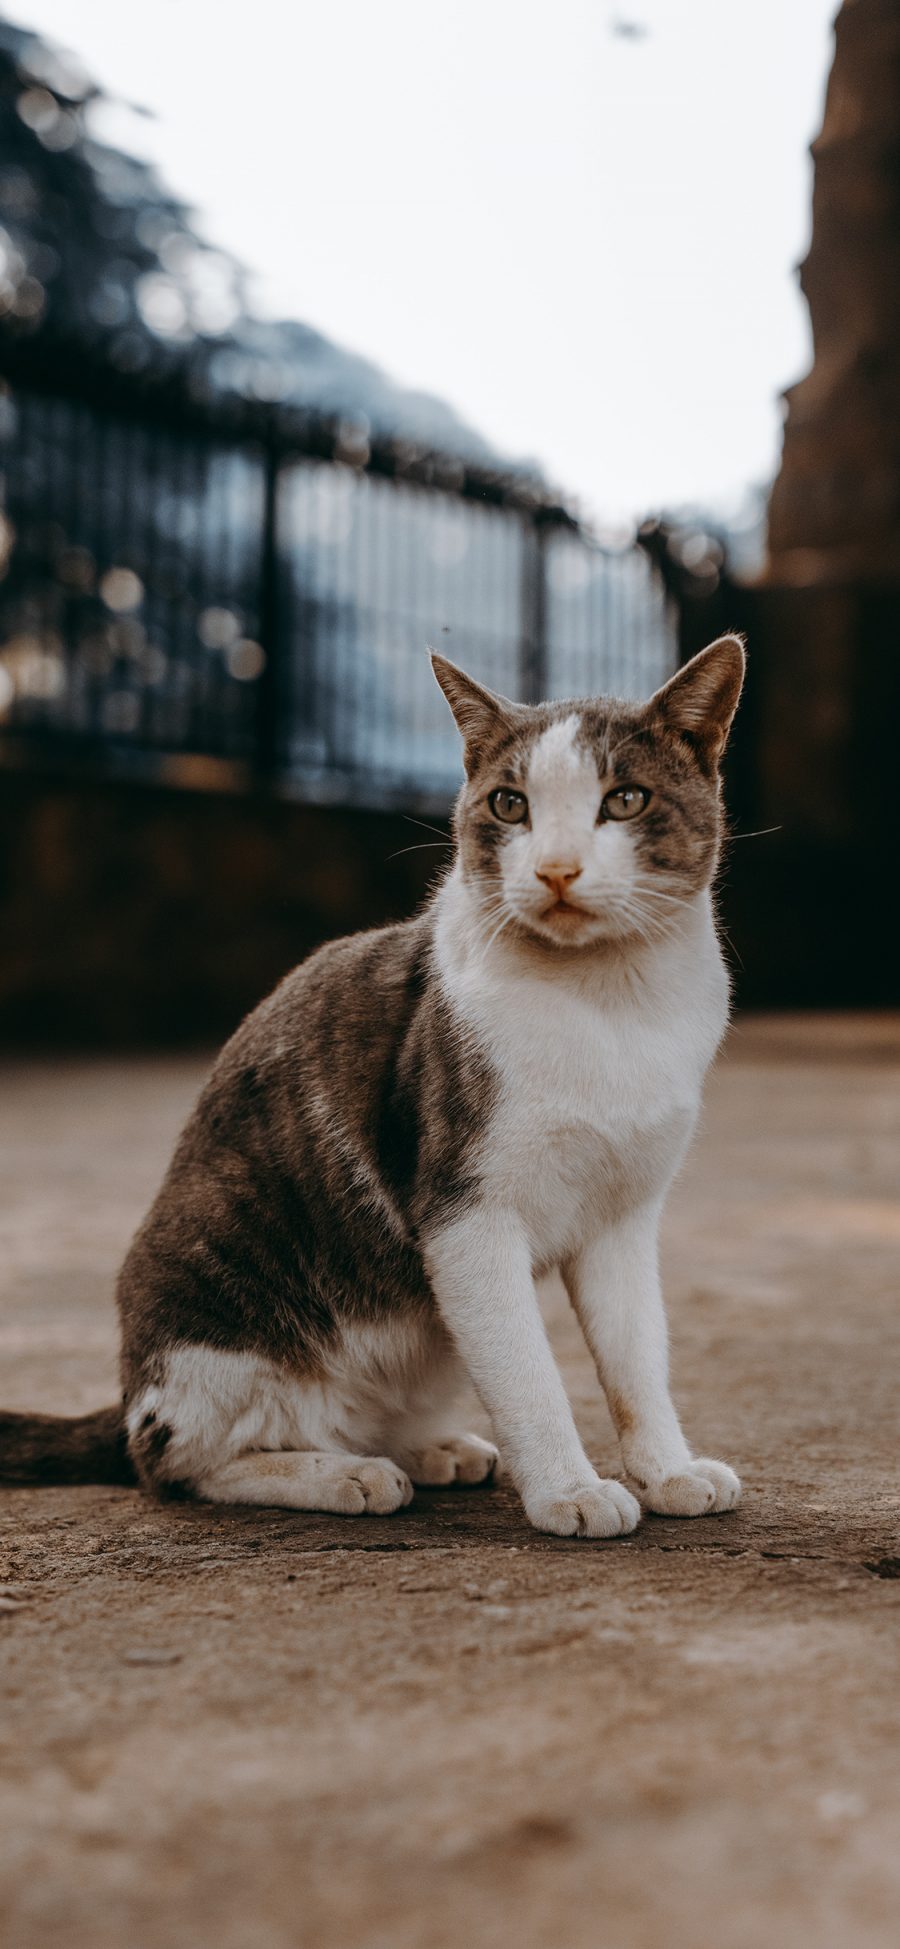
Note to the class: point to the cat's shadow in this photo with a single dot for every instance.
(436, 1520)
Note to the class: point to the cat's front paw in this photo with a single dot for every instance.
(594, 1508)
(701, 1488)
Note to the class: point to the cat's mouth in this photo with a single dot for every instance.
(564, 920)
(567, 923)
(563, 909)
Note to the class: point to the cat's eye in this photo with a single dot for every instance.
(510, 807)
(626, 802)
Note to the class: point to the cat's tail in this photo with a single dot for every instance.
(39, 1449)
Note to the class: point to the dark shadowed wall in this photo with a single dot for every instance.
(132, 915)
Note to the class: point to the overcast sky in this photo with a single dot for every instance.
(583, 238)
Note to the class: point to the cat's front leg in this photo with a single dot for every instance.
(480, 1269)
(614, 1287)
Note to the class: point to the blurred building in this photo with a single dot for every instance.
(835, 509)
(224, 548)
(808, 884)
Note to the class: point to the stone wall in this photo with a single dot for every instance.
(835, 508)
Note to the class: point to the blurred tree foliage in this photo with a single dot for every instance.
(95, 251)
(92, 246)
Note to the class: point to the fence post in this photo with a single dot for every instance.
(533, 633)
(269, 700)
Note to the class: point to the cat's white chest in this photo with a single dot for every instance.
(597, 1089)
(591, 1119)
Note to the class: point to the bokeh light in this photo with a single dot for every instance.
(245, 660)
(218, 628)
(121, 589)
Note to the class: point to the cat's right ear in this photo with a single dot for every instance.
(478, 713)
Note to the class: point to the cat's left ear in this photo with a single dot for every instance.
(700, 700)
(478, 712)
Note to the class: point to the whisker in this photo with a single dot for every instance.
(727, 937)
(424, 846)
(489, 909)
(496, 934)
(648, 892)
(491, 902)
(410, 821)
(671, 901)
(639, 892)
(487, 919)
(648, 926)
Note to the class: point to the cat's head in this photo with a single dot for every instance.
(594, 820)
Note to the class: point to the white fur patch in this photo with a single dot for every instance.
(563, 792)
(600, 1060)
(555, 759)
(600, 1077)
(384, 1381)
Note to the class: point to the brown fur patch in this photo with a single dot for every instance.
(339, 1119)
(622, 1415)
(45, 1448)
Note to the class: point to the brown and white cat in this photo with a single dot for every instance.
(422, 1120)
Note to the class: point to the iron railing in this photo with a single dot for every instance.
(199, 588)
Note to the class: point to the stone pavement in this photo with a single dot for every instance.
(261, 1731)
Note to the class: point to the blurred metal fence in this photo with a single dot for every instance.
(198, 589)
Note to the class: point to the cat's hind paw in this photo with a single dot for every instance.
(465, 1459)
(370, 1488)
(701, 1488)
(597, 1508)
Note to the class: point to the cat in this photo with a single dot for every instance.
(419, 1123)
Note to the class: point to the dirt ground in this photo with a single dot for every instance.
(255, 1730)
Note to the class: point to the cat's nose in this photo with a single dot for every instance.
(559, 876)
